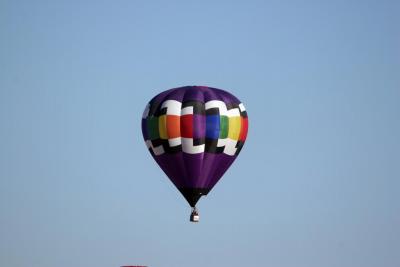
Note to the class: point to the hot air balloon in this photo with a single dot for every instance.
(194, 133)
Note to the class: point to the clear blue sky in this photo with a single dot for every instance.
(317, 183)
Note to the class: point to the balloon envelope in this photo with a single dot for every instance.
(194, 133)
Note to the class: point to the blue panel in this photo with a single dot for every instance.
(212, 126)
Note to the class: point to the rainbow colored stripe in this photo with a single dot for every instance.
(195, 127)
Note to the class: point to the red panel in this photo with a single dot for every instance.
(243, 129)
(187, 126)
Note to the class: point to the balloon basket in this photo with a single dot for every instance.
(194, 216)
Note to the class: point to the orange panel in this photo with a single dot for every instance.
(243, 130)
(173, 126)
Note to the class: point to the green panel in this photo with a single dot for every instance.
(152, 128)
(224, 125)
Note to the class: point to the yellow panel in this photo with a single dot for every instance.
(162, 126)
(234, 128)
